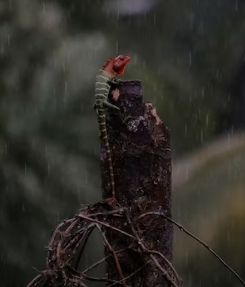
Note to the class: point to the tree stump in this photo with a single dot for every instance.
(141, 158)
(137, 231)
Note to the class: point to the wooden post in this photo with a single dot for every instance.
(141, 158)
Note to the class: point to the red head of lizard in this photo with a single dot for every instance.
(116, 66)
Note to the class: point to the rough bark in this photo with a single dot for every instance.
(142, 168)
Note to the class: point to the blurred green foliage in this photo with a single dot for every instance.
(211, 205)
(188, 56)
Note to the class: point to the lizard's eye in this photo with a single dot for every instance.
(121, 58)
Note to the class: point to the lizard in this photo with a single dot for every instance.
(110, 70)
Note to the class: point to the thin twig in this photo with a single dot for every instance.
(84, 240)
(100, 279)
(103, 279)
(106, 225)
(165, 273)
(68, 230)
(132, 274)
(77, 279)
(196, 238)
(52, 239)
(82, 275)
(169, 264)
(77, 234)
(114, 255)
(36, 280)
(115, 212)
(103, 260)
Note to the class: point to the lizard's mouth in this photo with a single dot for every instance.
(119, 67)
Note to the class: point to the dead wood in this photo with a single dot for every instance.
(142, 170)
(138, 242)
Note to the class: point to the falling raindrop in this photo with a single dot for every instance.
(154, 19)
(236, 5)
(190, 59)
(207, 119)
(48, 169)
(201, 136)
(44, 8)
(8, 39)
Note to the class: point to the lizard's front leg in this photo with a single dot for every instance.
(114, 82)
(96, 109)
(123, 119)
(106, 104)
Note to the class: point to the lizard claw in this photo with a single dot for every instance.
(126, 119)
(113, 82)
(95, 109)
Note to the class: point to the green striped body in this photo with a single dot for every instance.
(102, 89)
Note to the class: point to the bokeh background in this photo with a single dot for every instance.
(190, 57)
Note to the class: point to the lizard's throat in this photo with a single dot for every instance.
(110, 76)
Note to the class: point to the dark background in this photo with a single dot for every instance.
(190, 58)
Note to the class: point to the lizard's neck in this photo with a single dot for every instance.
(108, 75)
